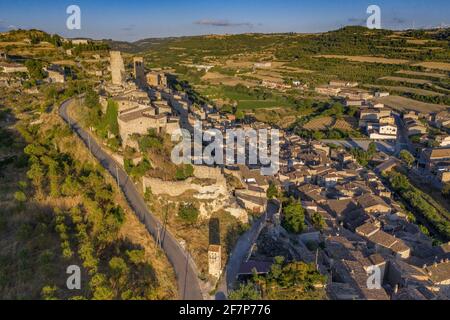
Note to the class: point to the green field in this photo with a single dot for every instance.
(258, 104)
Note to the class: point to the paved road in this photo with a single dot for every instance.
(188, 282)
(241, 251)
(403, 141)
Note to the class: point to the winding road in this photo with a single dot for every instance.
(184, 266)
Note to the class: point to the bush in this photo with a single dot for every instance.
(183, 172)
(246, 291)
(188, 212)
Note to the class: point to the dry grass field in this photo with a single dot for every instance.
(434, 65)
(346, 123)
(406, 80)
(365, 59)
(408, 90)
(321, 123)
(402, 103)
(423, 74)
(418, 41)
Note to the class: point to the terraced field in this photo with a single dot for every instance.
(422, 92)
(406, 80)
(368, 59)
(423, 74)
(402, 103)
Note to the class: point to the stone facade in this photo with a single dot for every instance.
(117, 68)
(215, 261)
(139, 72)
(156, 79)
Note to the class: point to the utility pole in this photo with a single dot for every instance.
(117, 176)
(317, 258)
(164, 226)
(158, 236)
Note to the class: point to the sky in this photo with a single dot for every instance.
(132, 20)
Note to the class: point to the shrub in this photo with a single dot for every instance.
(188, 213)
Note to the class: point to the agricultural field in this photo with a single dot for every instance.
(345, 123)
(367, 59)
(406, 90)
(406, 80)
(423, 74)
(321, 123)
(380, 58)
(434, 65)
(401, 104)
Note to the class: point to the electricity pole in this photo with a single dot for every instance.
(117, 176)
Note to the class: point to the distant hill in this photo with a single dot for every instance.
(262, 39)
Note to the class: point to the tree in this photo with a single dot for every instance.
(20, 197)
(119, 270)
(54, 179)
(272, 191)
(446, 190)
(246, 291)
(318, 221)
(372, 149)
(291, 281)
(407, 157)
(35, 69)
(188, 212)
(294, 217)
(36, 174)
(49, 293)
(240, 115)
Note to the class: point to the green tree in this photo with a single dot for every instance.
(49, 293)
(36, 175)
(407, 157)
(446, 190)
(35, 69)
(119, 272)
(20, 197)
(240, 115)
(294, 217)
(246, 291)
(318, 221)
(372, 149)
(272, 191)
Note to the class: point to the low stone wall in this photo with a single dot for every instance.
(213, 197)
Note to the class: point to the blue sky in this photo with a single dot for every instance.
(132, 19)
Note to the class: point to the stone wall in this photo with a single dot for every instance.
(212, 198)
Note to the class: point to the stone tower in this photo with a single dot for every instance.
(117, 68)
(139, 71)
(215, 260)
